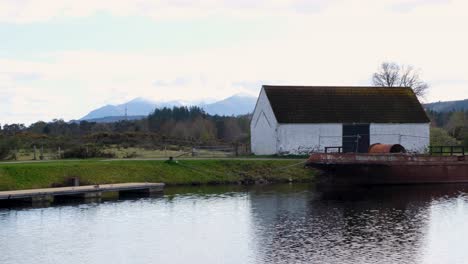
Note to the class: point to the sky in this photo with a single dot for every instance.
(64, 58)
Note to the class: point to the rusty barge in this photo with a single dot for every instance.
(384, 165)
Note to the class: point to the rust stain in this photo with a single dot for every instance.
(388, 168)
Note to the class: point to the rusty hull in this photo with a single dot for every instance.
(368, 168)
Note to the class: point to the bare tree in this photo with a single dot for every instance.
(393, 75)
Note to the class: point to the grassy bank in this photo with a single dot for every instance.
(58, 173)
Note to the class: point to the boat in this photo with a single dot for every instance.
(389, 164)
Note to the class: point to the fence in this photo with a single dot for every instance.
(340, 143)
(36, 153)
(217, 151)
(446, 150)
(45, 152)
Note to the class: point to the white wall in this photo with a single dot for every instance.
(263, 127)
(305, 138)
(299, 139)
(414, 137)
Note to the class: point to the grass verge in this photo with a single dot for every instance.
(58, 173)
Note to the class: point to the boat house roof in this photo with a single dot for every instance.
(327, 104)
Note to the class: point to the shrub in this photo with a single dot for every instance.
(6, 145)
(86, 152)
(440, 137)
(464, 136)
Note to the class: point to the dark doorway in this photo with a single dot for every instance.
(356, 138)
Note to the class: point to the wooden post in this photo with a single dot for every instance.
(41, 154)
(357, 143)
(34, 150)
(75, 181)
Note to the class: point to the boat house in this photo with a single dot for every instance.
(303, 119)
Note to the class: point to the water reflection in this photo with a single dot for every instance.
(357, 225)
(234, 224)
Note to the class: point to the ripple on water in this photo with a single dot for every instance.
(269, 224)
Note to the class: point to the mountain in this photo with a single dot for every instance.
(110, 119)
(234, 105)
(448, 106)
(135, 107)
(238, 104)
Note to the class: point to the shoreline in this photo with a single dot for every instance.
(30, 175)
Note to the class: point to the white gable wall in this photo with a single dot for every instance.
(263, 127)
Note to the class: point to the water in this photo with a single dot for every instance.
(269, 224)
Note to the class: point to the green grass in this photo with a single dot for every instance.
(130, 152)
(57, 173)
(142, 153)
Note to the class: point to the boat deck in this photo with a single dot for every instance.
(390, 168)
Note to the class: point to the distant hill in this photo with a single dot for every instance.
(110, 119)
(140, 107)
(135, 107)
(448, 106)
(232, 106)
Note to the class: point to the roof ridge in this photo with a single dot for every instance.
(332, 86)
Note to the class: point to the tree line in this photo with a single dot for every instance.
(449, 128)
(178, 125)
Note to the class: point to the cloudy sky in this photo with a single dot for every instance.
(62, 58)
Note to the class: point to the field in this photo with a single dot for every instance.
(27, 175)
(136, 152)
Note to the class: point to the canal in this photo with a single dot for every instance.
(292, 223)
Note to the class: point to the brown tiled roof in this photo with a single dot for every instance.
(319, 104)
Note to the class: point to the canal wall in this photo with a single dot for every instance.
(183, 172)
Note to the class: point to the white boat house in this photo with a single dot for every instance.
(298, 120)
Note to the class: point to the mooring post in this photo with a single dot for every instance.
(76, 181)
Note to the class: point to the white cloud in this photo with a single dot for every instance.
(26, 11)
(337, 43)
